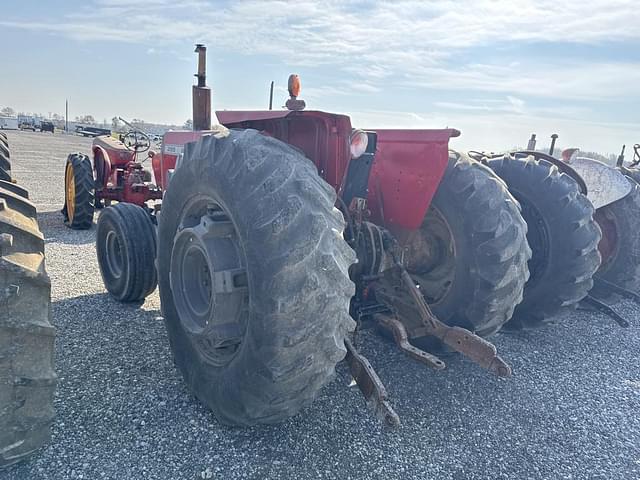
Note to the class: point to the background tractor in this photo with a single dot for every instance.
(27, 377)
(582, 216)
(615, 194)
(272, 234)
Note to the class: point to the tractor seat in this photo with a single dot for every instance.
(110, 144)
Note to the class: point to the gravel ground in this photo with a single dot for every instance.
(569, 411)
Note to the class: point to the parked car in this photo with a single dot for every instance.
(46, 126)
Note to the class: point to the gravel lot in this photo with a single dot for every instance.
(569, 411)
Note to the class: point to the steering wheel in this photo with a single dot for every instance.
(136, 141)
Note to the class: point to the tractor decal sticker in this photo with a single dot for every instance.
(173, 149)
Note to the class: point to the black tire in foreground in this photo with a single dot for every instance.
(470, 255)
(126, 249)
(79, 194)
(253, 277)
(620, 244)
(27, 377)
(562, 234)
(5, 160)
(15, 188)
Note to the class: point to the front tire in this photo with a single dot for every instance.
(126, 249)
(470, 255)
(253, 277)
(561, 233)
(79, 194)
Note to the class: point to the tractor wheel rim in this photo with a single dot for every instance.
(209, 281)
(115, 260)
(70, 191)
(431, 257)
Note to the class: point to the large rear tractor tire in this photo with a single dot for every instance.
(5, 159)
(620, 244)
(253, 277)
(470, 255)
(27, 377)
(79, 203)
(562, 234)
(126, 248)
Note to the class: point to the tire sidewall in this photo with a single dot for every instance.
(108, 221)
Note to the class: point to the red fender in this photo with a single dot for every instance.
(101, 167)
(407, 170)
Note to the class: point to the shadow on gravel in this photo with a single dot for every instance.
(55, 231)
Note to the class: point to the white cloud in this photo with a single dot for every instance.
(415, 45)
(491, 131)
(409, 42)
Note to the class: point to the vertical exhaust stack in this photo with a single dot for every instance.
(201, 93)
(532, 142)
(552, 148)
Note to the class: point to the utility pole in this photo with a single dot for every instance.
(66, 116)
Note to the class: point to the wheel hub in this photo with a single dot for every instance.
(209, 283)
(114, 257)
(431, 257)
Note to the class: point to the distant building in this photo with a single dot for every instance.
(8, 123)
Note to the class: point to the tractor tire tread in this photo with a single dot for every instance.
(5, 161)
(27, 373)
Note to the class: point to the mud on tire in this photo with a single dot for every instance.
(561, 233)
(27, 377)
(258, 210)
(477, 274)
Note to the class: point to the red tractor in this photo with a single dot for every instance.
(274, 234)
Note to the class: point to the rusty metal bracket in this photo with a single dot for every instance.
(371, 386)
(606, 309)
(460, 339)
(398, 290)
(401, 337)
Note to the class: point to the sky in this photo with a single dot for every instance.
(496, 70)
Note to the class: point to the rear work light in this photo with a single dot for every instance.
(358, 143)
